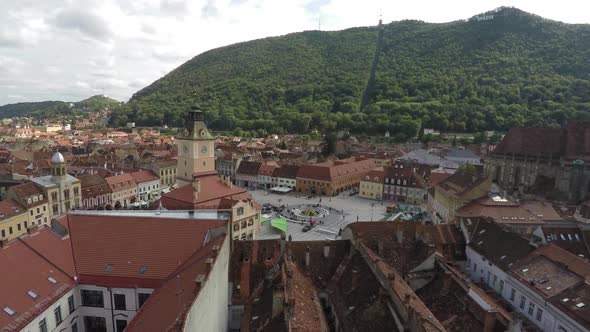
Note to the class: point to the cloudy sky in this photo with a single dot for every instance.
(72, 49)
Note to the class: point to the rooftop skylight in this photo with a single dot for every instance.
(8, 311)
(52, 280)
(32, 294)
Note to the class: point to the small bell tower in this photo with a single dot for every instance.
(58, 167)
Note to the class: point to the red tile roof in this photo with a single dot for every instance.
(375, 175)
(144, 176)
(212, 191)
(331, 170)
(10, 208)
(128, 242)
(162, 309)
(55, 249)
(267, 169)
(26, 190)
(121, 182)
(24, 270)
(436, 178)
(288, 171)
(249, 167)
(532, 142)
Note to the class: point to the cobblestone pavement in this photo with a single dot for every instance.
(354, 208)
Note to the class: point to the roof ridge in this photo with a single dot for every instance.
(45, 258)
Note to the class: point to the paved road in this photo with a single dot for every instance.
(354, 207)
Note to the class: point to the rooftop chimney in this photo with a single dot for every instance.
(3, 243)
(307, 256)
(196, 188)
(32, 229)
(354, 279)
(400, 236)
(209, 263)
(283, 244)
(199, 282)
(326, 250)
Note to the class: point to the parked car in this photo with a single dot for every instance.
(306, 228)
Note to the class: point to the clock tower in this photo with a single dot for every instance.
(196, 156)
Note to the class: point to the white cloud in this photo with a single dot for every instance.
(69, 50)
(85, 22)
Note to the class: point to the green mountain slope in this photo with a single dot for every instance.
(23, 109)
(57, 108)
(497, 70)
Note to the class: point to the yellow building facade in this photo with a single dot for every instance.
(63, 191)
(14, 220)
(371, 186)
(245, 220)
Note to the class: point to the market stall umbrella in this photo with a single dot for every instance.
(279, 223)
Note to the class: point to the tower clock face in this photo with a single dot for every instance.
(204, 149)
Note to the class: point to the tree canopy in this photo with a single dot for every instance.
(515, 69)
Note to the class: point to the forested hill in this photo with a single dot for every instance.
(46, 109)
(496, 70)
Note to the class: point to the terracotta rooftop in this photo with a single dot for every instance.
(54, 248)
(10, 208)
(533, 142)
(375, 175)
(570, 142)
(26, 190)
(170, 302)
(267, 169)
(461, 182)
(331, 170)
(144, 176)
(575, 302)
(141, 247)
(121, 182)
(569, 238)
(249, 167)
(546, 277)
(288, 171)
(404, 245)
(506, 212)
(505, 253)
(93, 185)
(210, 197)
(24, 270)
